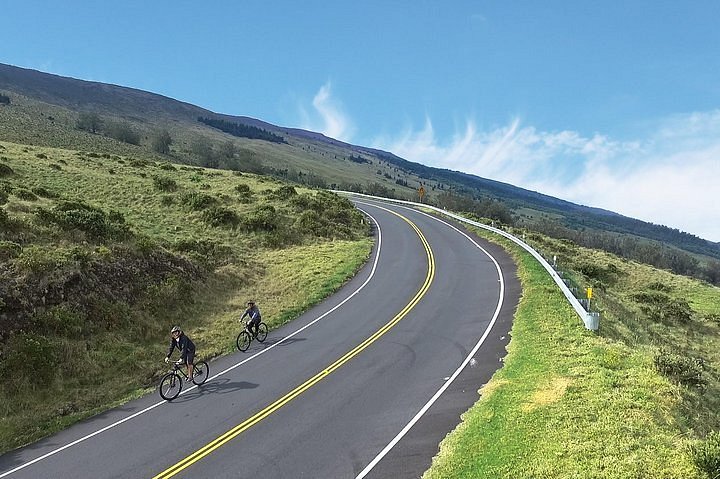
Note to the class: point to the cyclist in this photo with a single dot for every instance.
(186, 347)
(253, 313)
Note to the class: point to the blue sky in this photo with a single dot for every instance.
(609, 104)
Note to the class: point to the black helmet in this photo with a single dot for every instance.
(251, 302)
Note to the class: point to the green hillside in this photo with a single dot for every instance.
(49, 110)
(100, 254)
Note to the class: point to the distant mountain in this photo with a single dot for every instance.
(305, 154)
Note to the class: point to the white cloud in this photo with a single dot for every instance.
(668, 177)
(328, 116)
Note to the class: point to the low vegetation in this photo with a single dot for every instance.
(98, 246)
(639, 399)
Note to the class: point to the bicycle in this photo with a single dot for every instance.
(245, 337)
(171, 384)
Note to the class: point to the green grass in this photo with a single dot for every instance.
(81, 292)
(569, 403)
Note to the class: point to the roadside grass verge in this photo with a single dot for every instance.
(569, 403)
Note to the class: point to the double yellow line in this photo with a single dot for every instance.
(248, 423)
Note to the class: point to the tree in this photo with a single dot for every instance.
(89, 121)
(161, 142)
(123, 131)
(202, 148)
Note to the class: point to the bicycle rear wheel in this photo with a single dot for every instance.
(243, 341)
(170, 386)
(262, 332)
(200, 372)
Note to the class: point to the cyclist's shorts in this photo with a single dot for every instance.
(189, 358)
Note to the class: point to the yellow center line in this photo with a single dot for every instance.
(251, 421)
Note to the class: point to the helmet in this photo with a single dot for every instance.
(251, 302)
(175, 329)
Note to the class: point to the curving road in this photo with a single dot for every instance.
(364, 385)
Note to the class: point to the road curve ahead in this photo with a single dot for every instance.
(366, 384)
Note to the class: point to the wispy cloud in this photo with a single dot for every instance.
(668, 177)
(328, 116)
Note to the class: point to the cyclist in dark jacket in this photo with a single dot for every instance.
(186, 347)
(253, 313)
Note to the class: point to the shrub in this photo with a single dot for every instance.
(63, 321)
(688, 371)
(4, 99)
(661, 307)
(122, 131)
(5, 170)
(167, 200)
(167, 166)
(242, 189)
(263, 218)
(163, 183)
(197, 201)
(24, 194)
(283, 193)
(43, 192)
(55, 166)
(42, 156)
(706, 455)
(3, 197)
(219, 216)
(93, 221)
(9, 250)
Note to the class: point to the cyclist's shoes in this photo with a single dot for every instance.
(188, 379)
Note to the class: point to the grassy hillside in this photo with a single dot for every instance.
(101, 253)
(636, 400)
(44, 110)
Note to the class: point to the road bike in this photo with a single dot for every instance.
(246, 336)
(171, 384)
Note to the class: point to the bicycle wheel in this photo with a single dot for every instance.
(243, 341)
(201, 372)
(170, 386)
(262, 332)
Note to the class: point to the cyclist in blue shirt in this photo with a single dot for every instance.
(253, 313)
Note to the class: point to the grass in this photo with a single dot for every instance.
(569, 403)
(106, 250)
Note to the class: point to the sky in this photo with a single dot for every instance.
(608, 104)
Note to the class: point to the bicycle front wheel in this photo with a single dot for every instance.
(170, 386)
(262, 332)
(243, 341)
(200, 372)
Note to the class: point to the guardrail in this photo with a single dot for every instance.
(591, 320)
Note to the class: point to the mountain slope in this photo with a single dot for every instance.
(308, 157)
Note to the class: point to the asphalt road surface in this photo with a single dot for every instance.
(366, 384)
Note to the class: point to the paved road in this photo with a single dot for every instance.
(325, 396)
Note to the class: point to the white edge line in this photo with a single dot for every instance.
(457, 372)
(263, 351)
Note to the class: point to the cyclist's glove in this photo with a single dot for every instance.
(167, 359)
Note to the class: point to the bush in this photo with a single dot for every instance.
(197, 201)
(4, 99)
(660, 307)
(283, 193)
(40, 191)
(163, 183)
(9, 250)
(70, 215)
(167, 166)
(706, 455)
(218, 216)
(122, 131)
(24, 194)
(42, 156)
(688, 371)
(167, 200)
(5, 170)
(263, 218)
(3, 197)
